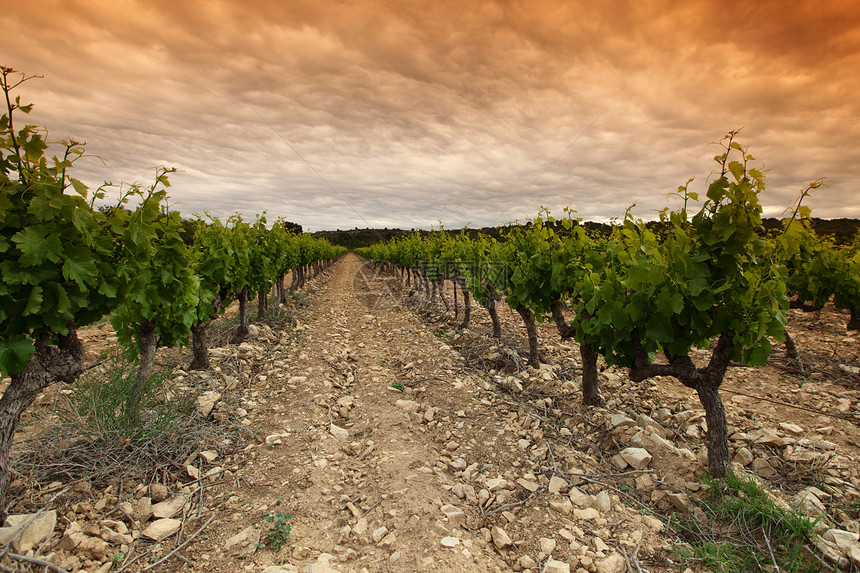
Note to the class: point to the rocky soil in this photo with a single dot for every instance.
(398, 443)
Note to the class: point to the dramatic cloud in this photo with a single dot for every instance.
(373, 113)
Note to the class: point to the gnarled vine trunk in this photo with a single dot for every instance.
(706, 382)
(262, 304)
(282, 292)
(200, 336)
(717, 436)
(200, 346)
(456, 307)
(147, 340)
(242, 331)
(590, 387)
(531, 331)
(48, 365)
(467, 303)
(854, 322)
(590, 384)
(494, 317)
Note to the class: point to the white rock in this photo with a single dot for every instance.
(557, 484)
(322, 565)
(580, 498)
(562, 505)
(638, 458)
(38, 531)
(767, 437)
(587, 513)
(615, 563)
(620, 421)
(681, 501)
(603, 502)
(338, 432)
(170, 507)
(360, 527)
(501, 539)
(554, 566)
(531, 486)
(453, 513)
(246, 537)
(661, 443)
(162, 528)
(495, 484)
(743, 456)
(205, 402)
(762, 467)
(547, 545)
(387, 541)
(450, 541)
(809, 502)
(843, 539)
(653, 523)
(408, 405)
(646, 422)
(378, 534)
(791, 428)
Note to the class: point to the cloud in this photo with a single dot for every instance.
(402, 115)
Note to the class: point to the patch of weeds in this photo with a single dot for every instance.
(745, 530)
(99, 403)
(96, 432)
(279, 532)
(398, 386)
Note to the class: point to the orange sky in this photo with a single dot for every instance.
(407, 114)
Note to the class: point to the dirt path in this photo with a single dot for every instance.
(398, 444)
(393, 454)
(343, 490)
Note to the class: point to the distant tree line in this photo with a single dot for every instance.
(842, 231)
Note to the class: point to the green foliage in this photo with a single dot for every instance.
(55, 256)
(98, 407)
(155, 271)
(279, 532)
(746, 530)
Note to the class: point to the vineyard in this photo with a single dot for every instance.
(554, 400)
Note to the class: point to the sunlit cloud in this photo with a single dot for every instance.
(408, 115)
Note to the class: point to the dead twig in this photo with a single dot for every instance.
(510, 505)
(35, 561)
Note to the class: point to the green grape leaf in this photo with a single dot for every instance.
(79, 265)
(34, 301)
(79, 187)
(15, 352)
(757, 354)
(37, 245)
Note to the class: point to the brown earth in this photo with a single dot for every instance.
(398, 444)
